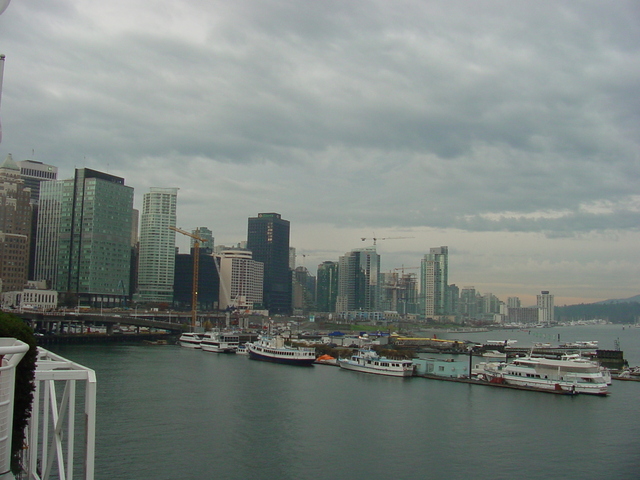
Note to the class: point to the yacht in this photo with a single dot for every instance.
(566, 376)
(190, 340)
(273, 349)
(220, 342)
(368, 361)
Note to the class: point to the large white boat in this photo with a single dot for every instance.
(220, 342)
(566, 376)
(190, 340)
(273, 349)
(368, 361)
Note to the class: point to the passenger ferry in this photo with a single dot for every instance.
(273, 349)
(220, 342)
(190, 340)
(368, 361)
(566, 376)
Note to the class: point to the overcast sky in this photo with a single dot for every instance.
(506, 130)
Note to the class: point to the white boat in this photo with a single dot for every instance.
(502, 342)
(368, 361)
(242, 350)
(568, 376)
(190, 340)
(273, 349)
(220, 342)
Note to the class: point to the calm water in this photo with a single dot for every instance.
(170, 413)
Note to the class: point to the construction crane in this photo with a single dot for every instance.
(375, 239)
(196, 267)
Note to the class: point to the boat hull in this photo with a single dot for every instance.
(376, 371)
(274, 358)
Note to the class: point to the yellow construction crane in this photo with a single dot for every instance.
(196, 267)
(375, 239)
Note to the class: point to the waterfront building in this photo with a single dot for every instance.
(434, 282)
(268, 240)
(359, 281)
(523, 315)
(241, 280)
(157, 255)
(545, 302)
(208, 281)
(83, 244)
(34, 296)
(15, 227)
(327, 286)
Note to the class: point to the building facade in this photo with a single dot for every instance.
(327, 287)
(359, 281)
(268, 240)
(15, 227)
(83, 244)
(157, 253)
(545, 302)
(241, 280)
(434, 277)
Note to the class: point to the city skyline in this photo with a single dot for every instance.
(441, 124)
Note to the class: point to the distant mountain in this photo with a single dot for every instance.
(622, 300)
(616, 311)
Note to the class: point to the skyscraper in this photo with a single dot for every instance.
(33, 173)
(156, 265)
(433, 282)
(241, 279)
(15, 227)
(268, 240)
(546, 307)
(206, 234)
(327, 286)
(358, 281)
(83, 244)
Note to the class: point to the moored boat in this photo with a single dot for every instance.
(368, 361)
(566, 376)
(220, 342)
(273, 349)
(190, 340)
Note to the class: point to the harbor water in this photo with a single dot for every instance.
(166, 412)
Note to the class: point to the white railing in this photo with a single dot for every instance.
(53, 433)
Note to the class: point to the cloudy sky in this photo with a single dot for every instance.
(506, 130)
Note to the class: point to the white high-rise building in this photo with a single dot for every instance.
(434, 276)
(156, 265)
(545, 308)
(241, 279)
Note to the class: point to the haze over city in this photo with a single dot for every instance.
(506, 131)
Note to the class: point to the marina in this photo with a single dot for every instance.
(291, 419)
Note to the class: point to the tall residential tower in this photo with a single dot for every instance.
(156, 264)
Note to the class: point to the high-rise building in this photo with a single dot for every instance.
(513, 302)
(15, 227)
(206, 234)
(359, 281)
(546, 307)
(468, 306)
(208, 281)
(33, 173)
(268, 240)
(157, 256)
(327, 286)
(304, 287)
(83, 244)
(241, 279)
(434, 282)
